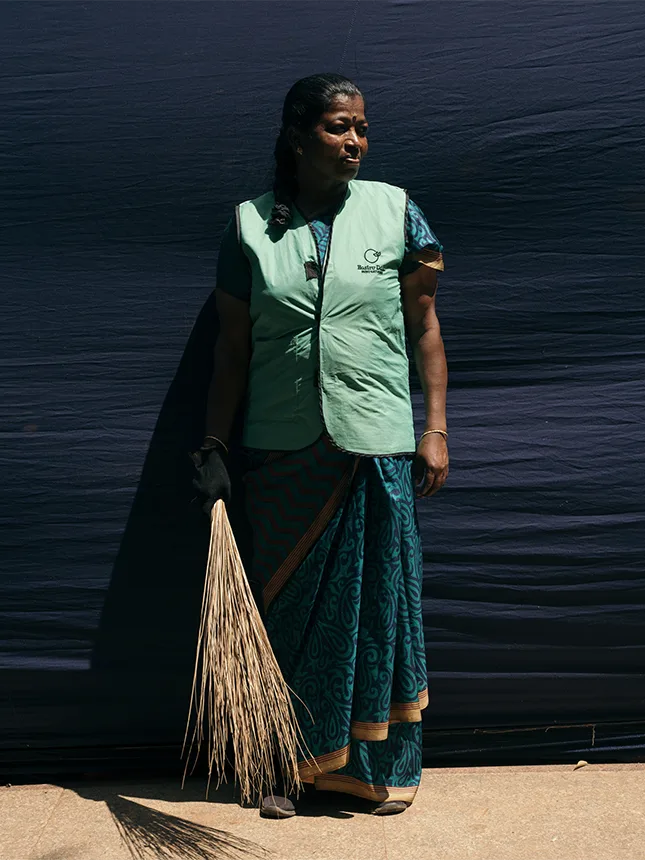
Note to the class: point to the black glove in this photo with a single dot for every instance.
(212, 476)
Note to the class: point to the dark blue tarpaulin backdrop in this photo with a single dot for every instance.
(129, 131)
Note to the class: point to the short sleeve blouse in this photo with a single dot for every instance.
(421, 248)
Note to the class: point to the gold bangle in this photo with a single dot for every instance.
(443, 433)
(215, 439)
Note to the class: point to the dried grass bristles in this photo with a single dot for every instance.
(238, 690)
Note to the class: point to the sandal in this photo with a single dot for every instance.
(275, 806)
(391, 807)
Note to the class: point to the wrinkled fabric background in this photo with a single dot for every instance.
(129, 131)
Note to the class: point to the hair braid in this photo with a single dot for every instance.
(285, 183)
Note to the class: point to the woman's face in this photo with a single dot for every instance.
(337, 143)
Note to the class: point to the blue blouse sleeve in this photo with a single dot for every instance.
(422, 247)
(233, 268)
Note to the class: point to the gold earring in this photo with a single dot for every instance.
(299, 150)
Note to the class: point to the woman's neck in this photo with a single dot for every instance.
(314, 199)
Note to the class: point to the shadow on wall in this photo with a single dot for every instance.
(144, 651)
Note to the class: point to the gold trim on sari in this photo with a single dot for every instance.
(351, 785)
(409, 712)
(400, 712)
(363, 731)
(310, 768)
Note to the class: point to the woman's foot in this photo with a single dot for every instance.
(275, 806)
(391, 807)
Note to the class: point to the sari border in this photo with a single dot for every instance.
(409, 712)
(351, 785)
(310, 768)
(309, 538)
(400, 712)
(364, 731)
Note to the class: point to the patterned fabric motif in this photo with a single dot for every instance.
(321, 228)
(346, 625)
(418, 234)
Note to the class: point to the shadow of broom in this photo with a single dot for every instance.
(149, 833)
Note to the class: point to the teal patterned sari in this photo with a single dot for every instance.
(337, 562)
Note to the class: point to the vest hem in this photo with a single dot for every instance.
(364, 454)
(336, 445)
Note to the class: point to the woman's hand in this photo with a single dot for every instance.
(212, 477)
(430, 468)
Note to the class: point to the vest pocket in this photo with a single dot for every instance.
(282, 378)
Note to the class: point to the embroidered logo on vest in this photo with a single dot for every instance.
(372, 257)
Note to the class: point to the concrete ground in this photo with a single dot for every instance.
(546, 812)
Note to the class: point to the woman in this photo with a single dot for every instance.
(318, 283)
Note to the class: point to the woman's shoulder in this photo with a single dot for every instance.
(262, 204)
(374, 187)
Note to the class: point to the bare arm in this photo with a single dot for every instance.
(231, 366)
(419, 292)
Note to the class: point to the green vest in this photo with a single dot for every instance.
(328, 349)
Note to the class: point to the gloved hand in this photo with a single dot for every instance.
(212, 476)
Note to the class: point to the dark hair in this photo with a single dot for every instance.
(307, 99)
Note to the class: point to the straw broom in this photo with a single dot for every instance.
(238, 690)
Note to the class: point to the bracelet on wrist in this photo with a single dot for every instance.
(443, 433)
(211, 442)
